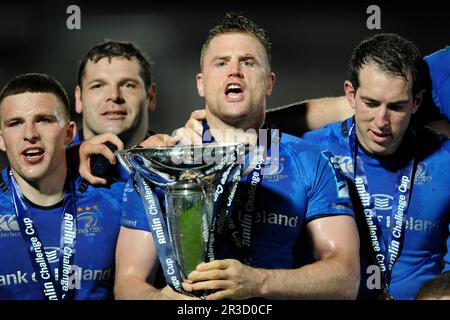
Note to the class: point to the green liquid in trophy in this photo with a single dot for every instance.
(190, 228)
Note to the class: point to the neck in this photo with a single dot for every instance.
(45, 192)
(246, 131)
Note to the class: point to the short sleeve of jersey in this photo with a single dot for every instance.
(439, 65)
(133, 212)
(447, 253)
(327, 190)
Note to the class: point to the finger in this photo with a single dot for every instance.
(85, 172)
(158, 140)
(220, 295)
(209, 285)
(87, 150)
(198, 128)
(214, 274)
(199, 114)
(216, 264)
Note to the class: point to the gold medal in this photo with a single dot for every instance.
(385, 295)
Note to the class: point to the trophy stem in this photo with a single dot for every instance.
(189, 212)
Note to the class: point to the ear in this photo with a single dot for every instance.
(270, 83)
(151, 93)
(2, 142)
(350, 93)
(71, 131)
(200, 86)
(418, 99)
(78, 102)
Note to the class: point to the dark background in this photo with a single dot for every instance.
(312, 42)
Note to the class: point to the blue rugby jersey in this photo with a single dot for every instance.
(303, 187)
(424, 252)
(98, 224)
(439, 65)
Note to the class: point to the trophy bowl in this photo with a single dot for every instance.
(188, 175)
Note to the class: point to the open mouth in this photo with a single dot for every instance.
(234, 92)
(33, 153)
(233, 88)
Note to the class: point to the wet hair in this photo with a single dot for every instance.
(36, 83)
(435, 288)
(117, 49)
(235, 22)
(392, 54)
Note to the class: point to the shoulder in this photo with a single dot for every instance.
(111, 192)
(430, 142)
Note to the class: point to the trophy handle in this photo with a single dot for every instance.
(122, 156)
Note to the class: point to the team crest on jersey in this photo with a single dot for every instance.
(421, 176)
(9, 226)
(88, 220)
(274, 169)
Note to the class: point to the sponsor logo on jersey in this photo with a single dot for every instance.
(341, 184)
(345, 163)
(9, 226)
(23, 277)
(273, 218)
(8, 222)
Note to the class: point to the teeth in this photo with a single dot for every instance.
(33, 152)
(233, 86)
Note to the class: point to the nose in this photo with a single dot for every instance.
(235, 69)
(115, 94)
(382, 117)
(31, 132)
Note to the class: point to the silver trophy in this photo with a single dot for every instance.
(189, 176)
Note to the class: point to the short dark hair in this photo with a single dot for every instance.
(117, 49)
(392, 54)
(436, 287)
(236, 22)
(37, 83)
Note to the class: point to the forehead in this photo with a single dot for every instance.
(378, 84)
(235, 43)
(116, 67)
(30, 103)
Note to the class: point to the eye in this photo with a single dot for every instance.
(396, 107)
(13, 123)
(129, 85)
(95, 86)
(220, 63)
(248, 63)
(371, 104)
(45, 120)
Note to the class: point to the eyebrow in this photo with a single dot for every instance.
(36, 116)
(374, 100)
(103, 80)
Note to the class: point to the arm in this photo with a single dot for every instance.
(136, 261)
(308, 115)
(335, 274)
(94, 146)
